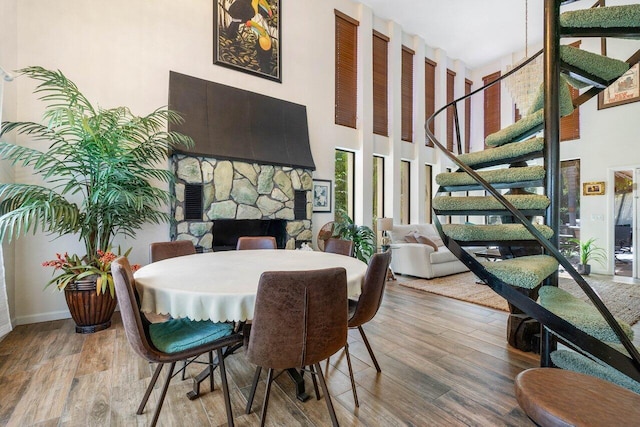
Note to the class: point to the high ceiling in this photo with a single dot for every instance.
(476, 32)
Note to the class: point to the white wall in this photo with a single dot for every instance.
(120, 52)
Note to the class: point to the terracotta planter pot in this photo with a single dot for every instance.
(90, 311)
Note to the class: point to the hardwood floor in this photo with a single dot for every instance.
(444, 363)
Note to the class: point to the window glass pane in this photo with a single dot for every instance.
(427, 195)
(378, 192)
(344, 174)
(405, 185)
(569, 206)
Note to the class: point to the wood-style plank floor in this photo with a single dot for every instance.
(444, 363)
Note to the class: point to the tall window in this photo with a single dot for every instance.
(378, 187)
(427, 190)
(429, 93)
(344, 177)
(406, 94)
(346, 69)
(451, 79)
(405, 191)
(491, 105)
(380, 84)
(467, 116)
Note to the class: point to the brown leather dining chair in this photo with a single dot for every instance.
(366, 306)
(171, 341)
(256, 242)
(163, 250)
(339, 246)
(313, 306)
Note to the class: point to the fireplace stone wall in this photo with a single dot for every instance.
(239, 190)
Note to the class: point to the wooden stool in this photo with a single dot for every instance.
(557, 397)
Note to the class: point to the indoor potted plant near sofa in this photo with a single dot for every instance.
(96, 168)
(588, 251)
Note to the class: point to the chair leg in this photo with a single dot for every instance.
(211, 367)
(225, 386)
(315, 382)
(256, 378)
(184, 370)
(263, 416)
(152, 383)
(163, 394)
(366, 342)
(353, 381)
(327, 398)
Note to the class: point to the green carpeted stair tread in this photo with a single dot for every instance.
(602, 17)
(583, 315)
(532, 121)
(572, 361)
(480, 203)
(605, 68)
(523, 272)
(492, 233)
(506, 175)
(494, 155)
(566, 103)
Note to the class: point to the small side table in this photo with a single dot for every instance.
(390, 274)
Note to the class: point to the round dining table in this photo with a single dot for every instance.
(222, 286)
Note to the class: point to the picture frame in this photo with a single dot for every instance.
(593, 188)
(321, 195)
(251, 44)
(623, 91)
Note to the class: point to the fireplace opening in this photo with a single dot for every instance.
(227, 231)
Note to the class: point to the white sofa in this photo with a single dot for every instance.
(422, 260)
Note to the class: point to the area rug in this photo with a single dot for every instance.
(622, 299)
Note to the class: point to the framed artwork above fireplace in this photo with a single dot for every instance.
(247, 37)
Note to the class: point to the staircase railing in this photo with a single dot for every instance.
(572, 335)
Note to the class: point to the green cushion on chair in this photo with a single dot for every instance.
(176, 335)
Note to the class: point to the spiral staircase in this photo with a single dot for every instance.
(593, 341)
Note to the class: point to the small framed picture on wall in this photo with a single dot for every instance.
(593, 188)
(321, 195)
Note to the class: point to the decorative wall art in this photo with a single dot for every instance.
(623, 91)
(593, 188)
(321, 195)
(246, 36)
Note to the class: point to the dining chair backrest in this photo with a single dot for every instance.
(339, 246)
(256, 242)
(300, 318)
(372, 289)
(163, 250)
(135, 325)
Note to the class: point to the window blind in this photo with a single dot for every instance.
(491, 105)
(430, 93)
(467, 116)
(346, 77)
(380, 84)
(407, 94)
(451, 76)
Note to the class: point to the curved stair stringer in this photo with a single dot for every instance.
(630, 366)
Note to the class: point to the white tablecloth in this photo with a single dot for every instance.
(222, 286)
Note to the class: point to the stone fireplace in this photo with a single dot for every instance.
(239, 190)
(251, 161)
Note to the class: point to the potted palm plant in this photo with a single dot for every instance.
(96, 169)
(588, 252)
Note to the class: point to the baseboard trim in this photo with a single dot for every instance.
(42, 317)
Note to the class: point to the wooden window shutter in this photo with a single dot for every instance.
(407, 94)
(380, 84)
(430, 93)
(491, 105)
(570, 125)
(346, 101)
(451, 76)
(467, 116)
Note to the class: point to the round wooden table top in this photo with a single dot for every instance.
(557, 397)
